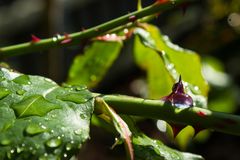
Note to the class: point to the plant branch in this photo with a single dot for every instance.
(76, 38)
(199, 118)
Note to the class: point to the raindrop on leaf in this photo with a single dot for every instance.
(34, 129)
(22, 79)
(54, 142)
(5, 142)
(4, 92)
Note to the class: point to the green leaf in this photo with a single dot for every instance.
(159, 81)
(175, 59)
(146, 148)
(108, 114)
(90, 68)
(149, 149)
(41, 120)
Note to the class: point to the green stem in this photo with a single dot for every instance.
(197, 117)
(77, 37)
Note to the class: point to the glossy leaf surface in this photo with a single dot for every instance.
(90, 68)
(148, 149)
(176, 60)
(41, 120)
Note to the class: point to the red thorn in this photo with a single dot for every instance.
(111, 37)
(67, 39)
(162, 1)
(35, 39)
(201, 114)
(176, 129)
(132, 18)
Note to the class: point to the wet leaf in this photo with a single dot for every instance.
(146, 148)
(39, 123)
(90, 68)
(177, 61)
(149, 149)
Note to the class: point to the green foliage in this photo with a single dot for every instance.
(175, 59)
(41, 120)
(148, 149)
(90, 68)
(164, 62)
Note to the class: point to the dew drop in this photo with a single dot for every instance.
(54, 39)
(22, 79)
(20, 149)
(4, 92)
(78, 132)
(54, 142)
(73, 97)
(65, 155)
(34, 129)
(5, 142)
(68, 147)
(21, 92)
(80, 88)
(83, 116)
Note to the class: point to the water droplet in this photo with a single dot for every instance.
(83, 116)
(54, 142)
(4, 92)
(30, 106)
(5, 142)
(65, 155)
(73, 97)
(21, 92)
(78, 132)
(22, 79)
(12, 151)
(93, 78)
(54, 39)
(80, 88)
(20, 149)
(68, 147)
(34, 129)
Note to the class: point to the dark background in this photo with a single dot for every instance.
(210, 28)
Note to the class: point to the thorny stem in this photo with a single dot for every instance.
(199, 118)
(77, 37)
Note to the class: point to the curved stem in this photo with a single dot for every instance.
(199, 118)
(77, 37)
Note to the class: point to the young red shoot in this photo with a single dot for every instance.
(35, 39)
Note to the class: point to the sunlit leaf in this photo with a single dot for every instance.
(159, 81)
(41, 120)
(90, 68)
(146, 148)
(149, 149)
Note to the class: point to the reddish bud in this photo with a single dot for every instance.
(178, 97)
(111, 37)
(67, 39)
(201, 114)
(162, 1)
(35, 39)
